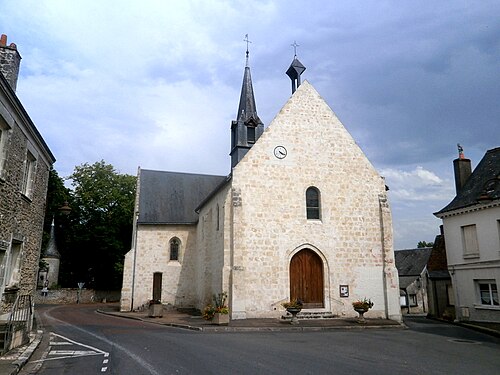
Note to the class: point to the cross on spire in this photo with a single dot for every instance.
(248, 41)
(294, 45)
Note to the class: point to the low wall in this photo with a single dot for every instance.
(70, 295)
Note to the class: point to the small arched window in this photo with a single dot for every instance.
(174, 248)
(312, 203)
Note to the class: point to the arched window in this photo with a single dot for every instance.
(174, 248)
(312, 203)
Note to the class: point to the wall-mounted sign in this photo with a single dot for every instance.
(344, 290)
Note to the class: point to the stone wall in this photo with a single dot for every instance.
(152, 254)
(70, 295)
(270, 224)
(21, 212)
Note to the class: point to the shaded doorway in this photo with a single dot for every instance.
(157, 277)
(306, 278)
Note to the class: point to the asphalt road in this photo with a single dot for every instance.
(78, 340)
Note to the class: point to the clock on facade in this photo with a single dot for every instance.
(280, 152)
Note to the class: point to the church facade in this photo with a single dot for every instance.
(303, 215)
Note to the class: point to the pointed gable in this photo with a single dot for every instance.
(311, 132)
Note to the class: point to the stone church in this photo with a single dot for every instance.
(303, 214)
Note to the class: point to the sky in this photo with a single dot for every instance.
(156, 84)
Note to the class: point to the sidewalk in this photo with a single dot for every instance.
(12, 362)
(189, 320)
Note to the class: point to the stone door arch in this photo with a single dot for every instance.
(306, 278)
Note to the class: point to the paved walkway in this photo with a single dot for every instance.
(188, 320)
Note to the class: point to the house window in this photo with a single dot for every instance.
(488, 293)
(312, 203)
(4, 135)
(469, 241)
(29, 174)
(174, 248)
(12, 274)
(250, 134)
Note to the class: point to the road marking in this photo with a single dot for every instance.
(104, 369)
(63, 354)
(77, 353)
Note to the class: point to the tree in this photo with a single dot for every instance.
(422, 244)
(99, 228)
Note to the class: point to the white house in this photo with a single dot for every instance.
(472, 230)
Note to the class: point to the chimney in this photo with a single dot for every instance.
(462, 168)
(10, 60)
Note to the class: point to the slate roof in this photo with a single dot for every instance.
(483, 185)
(172, 197)
(412, 262)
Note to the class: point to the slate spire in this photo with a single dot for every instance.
(247, 127)
(51, 251)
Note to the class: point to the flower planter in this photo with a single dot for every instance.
(221, 319)
(156, 310)
(294, 311)
(361, 318)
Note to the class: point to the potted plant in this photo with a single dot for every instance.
(155, 309)
(362, 306)
(218, 313)
(293, 307)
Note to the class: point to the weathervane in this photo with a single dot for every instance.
(294, 45)
(248, 41)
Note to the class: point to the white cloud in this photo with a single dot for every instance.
(418, 184)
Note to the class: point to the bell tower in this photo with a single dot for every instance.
(247, 127)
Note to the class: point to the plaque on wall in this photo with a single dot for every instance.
(344, 290)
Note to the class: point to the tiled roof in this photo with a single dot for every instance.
(482, 186)
(171, 197)
(412, 262)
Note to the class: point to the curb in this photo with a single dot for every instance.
(254, 329)
(28, 352)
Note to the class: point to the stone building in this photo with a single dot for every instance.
(471, 224)
(303, 214)
(25, 161)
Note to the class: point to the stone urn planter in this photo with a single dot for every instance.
(155, 310)
(294, 311)
(221, 319)
(362, 306)
(294, 306)
(361, 318)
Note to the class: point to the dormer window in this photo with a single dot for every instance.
(250, 134)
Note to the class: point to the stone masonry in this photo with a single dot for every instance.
(25, 161)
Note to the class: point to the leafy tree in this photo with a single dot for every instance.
(99, 229)
(422, 244)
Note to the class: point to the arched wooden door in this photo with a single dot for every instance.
(306, 278)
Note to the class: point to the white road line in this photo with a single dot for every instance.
(63, 354)
(141, 362)
(104, 369)
(105, 361)
(73, 352)
(79, 343)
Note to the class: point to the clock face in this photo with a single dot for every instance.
(280, 152)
